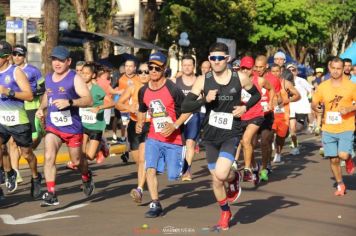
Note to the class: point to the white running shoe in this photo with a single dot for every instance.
(277, 158)
(295, 151)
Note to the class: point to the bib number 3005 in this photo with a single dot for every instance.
(160, 122)
(9, 118)
(221, 120)
(333, 118)
(61, 118)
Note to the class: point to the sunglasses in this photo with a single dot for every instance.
(16, 54)
(245, 68)
(156, 68)
(140, 72)
(218, 58)
(293, 70)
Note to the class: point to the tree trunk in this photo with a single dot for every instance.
(81, 9)
(291, 49)
(303, 51)
(50, 28)
(346, 35)
(109, 29)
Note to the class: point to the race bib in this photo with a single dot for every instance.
(160, 122)
(221, 120)
(245, 96)
(9, 118)
(61, 118)
(87, 116)
(264, 106)
(333, 118)
(278, 109)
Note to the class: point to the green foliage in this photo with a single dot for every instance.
(2, 24)
(67, 12)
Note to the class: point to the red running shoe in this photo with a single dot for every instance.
(225, 218)
(234, 189)
(350, 166)
(104, 147)
(341, 190)
(100, 157)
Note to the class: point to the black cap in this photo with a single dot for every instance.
(20, 49)
(5, 48)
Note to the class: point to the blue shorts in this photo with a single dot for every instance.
(220, 149)
(335, 143)
(192, 128)
(160, 155)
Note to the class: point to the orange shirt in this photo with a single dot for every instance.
(334, 98)
(124, 82)
(135, 87)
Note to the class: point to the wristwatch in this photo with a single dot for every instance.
(70, 102)
(176, 126)
(11, 93)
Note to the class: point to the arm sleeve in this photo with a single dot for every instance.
(191, 104)
(141, 105)
(255, 97)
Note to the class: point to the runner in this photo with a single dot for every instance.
(281, 112)
(136, 141)
(14, 90)
(36, 81)
(65, 93)
(337, 94)
(163, 147)
(192, 125)
(222, 124)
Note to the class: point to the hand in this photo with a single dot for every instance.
(270, 106)
(61, 103)
(344, 110)
(138, 128)
(3, 90)
(134, 109)
(239, 111)
(168, 129)
(95, 109)
(211, 96)
(39, 114)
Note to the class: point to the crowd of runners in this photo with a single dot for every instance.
(232, 108)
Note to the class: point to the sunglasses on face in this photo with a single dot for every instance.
(156, 68)
(293, 70)
(245, 68)
(15, 54)
(218, 58)
(140, 72)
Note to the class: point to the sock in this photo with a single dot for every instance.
(140, 189)
(10, 173)
(224, 205)
(85, 177)
(50, 186)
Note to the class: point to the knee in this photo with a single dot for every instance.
(27, 154)
(150, 172)
(334, 160)
(220, 176)
(246, 142)
(344, 155)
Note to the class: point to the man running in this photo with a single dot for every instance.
(337, 94)
(65, 93)
(221, 89)
(163, 146)
(14, 90)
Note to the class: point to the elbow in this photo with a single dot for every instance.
(90, 101)
(29, 97)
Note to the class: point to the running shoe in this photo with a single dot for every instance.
(11, 183)
(277, 158)
(225, 218)
(341, 190)
(105, 147)
(88, 186)
(100, 157)
(187, 176)
(71, 166)
(125, 157)
(49, 199)
(19, 179)
(154, 211)
(248, 175)
(36, 186)
(234, 189)
(235, 166)
(2, 176)
(256, 176)
(264, 175)
(269, 168)
(350, 166)
(2, 197)
(136, 195)
(295, 151)
(114, 138)
(122, 140)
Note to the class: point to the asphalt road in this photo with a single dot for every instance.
(298, 200)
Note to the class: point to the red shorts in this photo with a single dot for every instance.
(280, 125)
(72, 140)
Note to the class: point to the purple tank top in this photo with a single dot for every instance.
(68, 119)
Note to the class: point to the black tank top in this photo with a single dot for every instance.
(185, 89)
(228, 96)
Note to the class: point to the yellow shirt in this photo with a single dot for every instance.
(334, 98)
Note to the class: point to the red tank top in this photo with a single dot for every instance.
(256, 110)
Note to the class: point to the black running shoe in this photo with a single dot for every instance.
(11, 183)
(49, 199)
(36, 186)
(125, 157)
(2, 176)
(88, 186)
(155, 210)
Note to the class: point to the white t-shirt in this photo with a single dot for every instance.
(304, 88)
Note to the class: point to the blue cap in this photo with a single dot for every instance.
(158, 58)
(280, 55)
(60, 52)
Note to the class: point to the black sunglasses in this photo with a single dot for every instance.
(16, 54)
(140, 72)
(156, 68)
(218, 58)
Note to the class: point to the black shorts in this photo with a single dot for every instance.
(216, 149)
(134, 138)
(117, 114)
(267, 122)
(20, 133)
(94, 134)
(301, 118)
(31, 114)
(258, 121)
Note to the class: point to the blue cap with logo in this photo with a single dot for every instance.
(60, 52)
(158, 58)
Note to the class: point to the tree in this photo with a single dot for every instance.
(2, 24)
(50, 29)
